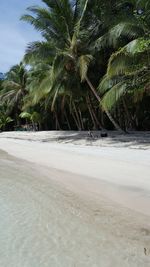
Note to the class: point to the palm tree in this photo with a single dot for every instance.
(4, 117)
(67, 46)
(128, 69)
(4, 120)
(14, 86)
(33, 117)
(14, 89)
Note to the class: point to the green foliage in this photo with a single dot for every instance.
(94, 55)
(84, 62)
(34, 116)
(4, 120)
(14, 86)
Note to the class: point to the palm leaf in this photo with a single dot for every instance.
(124, 29)
(111, 98)
(84, 62)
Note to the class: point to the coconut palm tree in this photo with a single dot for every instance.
(67, 46)
(79, 39)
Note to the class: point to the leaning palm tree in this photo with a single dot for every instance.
(67, 45)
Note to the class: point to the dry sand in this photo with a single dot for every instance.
(135, 140)
(98, 197)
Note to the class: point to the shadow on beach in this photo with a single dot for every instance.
(137, 140)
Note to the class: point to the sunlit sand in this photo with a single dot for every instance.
(67, 205)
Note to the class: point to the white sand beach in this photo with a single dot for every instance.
(69, 200)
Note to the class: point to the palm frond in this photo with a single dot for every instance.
(107, 83)
(124, 29)
(129, 58)
(84, 62)
(111, 98)
(37, 51)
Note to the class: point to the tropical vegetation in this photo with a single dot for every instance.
(90, 70)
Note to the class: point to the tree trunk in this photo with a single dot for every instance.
(82, 123)
(106, 111)
(77, 116)
(76, 122)
(94, 115)
(67, 120)
(33, 126)
(57, 121)
(89, 108)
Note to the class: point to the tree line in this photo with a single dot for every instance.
(90, 70)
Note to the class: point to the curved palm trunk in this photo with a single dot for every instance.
(117, 127)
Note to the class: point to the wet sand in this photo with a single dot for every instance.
(74, 213)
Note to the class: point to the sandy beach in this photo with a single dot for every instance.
(74, 201)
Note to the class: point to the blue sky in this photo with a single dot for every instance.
(15, 34)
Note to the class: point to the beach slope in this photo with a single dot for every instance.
(93, 202)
